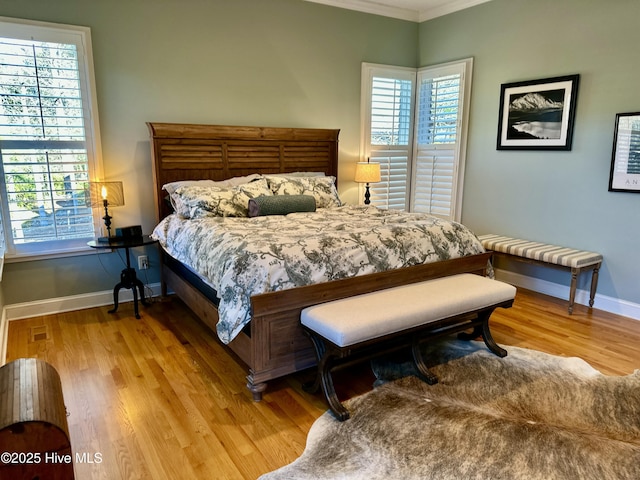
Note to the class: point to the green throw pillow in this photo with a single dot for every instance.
(281, 204)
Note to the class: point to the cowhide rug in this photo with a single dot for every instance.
(527, 416)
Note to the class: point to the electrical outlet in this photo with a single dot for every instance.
(143, 262)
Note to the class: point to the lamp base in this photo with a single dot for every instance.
(367, 195)
(104, 239)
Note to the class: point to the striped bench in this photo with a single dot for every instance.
(555, 255)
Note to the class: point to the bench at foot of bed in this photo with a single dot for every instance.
(359, 328)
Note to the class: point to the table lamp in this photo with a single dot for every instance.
(367, 172)
(105, 195)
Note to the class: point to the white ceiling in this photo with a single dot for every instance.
(413, 10)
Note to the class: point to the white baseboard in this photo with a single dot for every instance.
(97, 299)
(601, 302)
(50, 306)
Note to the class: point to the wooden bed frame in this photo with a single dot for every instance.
(275, 345)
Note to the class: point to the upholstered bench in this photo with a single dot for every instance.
(541, 253)
(359, 328)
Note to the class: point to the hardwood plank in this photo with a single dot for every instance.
(161, 398)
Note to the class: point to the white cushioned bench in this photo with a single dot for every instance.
(555, 255)
(358, 328)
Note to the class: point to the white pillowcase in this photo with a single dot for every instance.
(302, 183)
(323, 189)
(176, 200)
(299, 174)
(219, 201)
(230, 182)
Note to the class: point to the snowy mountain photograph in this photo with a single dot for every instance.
(537, 114)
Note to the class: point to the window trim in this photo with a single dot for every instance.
(368, 72)
(23, 29)
(465, 68)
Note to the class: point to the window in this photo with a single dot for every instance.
(388, 130)
(48, 140)
(422, 155)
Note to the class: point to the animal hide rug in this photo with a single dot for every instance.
(527, 416)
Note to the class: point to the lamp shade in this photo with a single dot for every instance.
(367, 172)
(112, 192)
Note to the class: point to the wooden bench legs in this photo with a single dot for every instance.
(483, 331)
(424, 373)
(324, 380)
(557, 256)
(331, 356)
(575, 273)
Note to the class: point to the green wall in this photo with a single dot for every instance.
(295, 63)
(240, 62)
(553, 197)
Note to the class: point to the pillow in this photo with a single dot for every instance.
(281, 204)
(178, 205)
(177, 202)
(219, 201)
(323, 189)
(235, 181)
(171, 187)
(299, 174)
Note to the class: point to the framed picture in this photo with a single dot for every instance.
(625, 159)
(538, 114)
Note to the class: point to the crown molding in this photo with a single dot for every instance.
(446, 8)
(386, 9)
(374, 8)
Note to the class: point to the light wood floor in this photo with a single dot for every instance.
(160, 398)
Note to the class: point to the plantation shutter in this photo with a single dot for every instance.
(45, 145)
(389, 132)
(421, 158)
(439, 136)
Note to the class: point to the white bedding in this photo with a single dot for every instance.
(241, 257)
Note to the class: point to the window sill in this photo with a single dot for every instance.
(71, 251)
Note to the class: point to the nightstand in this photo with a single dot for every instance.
(128, 277)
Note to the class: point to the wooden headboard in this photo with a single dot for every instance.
(217, 152)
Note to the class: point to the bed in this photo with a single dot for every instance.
(272, 344)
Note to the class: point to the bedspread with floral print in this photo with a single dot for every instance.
(241, 257)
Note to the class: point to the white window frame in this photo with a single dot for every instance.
(464, 67)
(81, 37)
(384, 154)
(458, 149)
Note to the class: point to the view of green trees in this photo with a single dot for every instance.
(42, 138)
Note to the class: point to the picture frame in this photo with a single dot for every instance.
(625, 157)
(538, 114)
